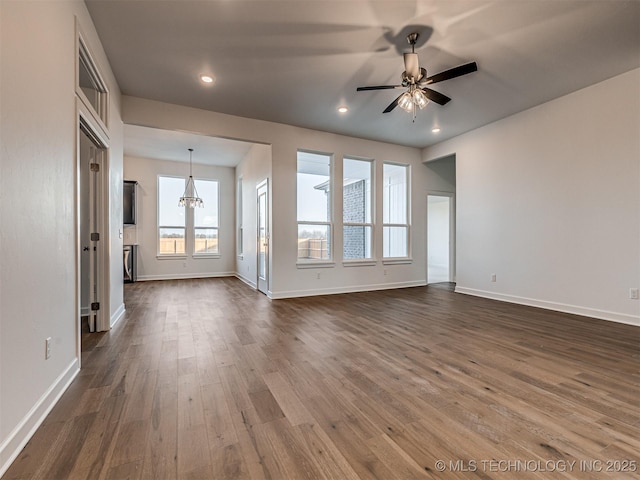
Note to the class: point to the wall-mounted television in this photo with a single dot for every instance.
(129, 202)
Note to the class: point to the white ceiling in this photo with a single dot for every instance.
(296, 61)
(159, 144)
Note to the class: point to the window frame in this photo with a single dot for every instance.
(329, 261)
(184, 227)
(407, 224)
(193, 227)
(84, 56)
(189, 224)
(371, 223)
(239, 219)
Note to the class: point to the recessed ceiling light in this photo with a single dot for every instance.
(435, 130)
(206, 78)
(343, 109)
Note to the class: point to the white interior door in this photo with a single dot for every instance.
(263, 237)
(94, 239)
(85, 231)
(91, 231)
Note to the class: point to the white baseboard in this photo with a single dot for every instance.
(11, 447)
(559, 307)
(249, 282)
(338, 290)
(117, 315)
(184, 276)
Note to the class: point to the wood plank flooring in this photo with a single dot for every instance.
(209, 379)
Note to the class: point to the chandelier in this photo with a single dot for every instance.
(192, 200)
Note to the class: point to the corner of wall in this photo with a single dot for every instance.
(117, 315)
(22, 433)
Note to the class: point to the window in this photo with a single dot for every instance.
(395, 211)
(205, 221)
(90, 87)
(178, 226)
(171, 217)
(239, 219)
(356, 213)
(314, 206)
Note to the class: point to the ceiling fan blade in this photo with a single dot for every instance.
(436, 97)
(452, 73)
(411, 65)
(392, 105)
(378, 87)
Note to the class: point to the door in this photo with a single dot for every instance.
(440, 245)
(90, 199)
(263, 237)
(85, 231)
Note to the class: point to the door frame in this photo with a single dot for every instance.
(86, 120)
(452, 232)
(264, 184)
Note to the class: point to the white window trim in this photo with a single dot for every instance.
(189, 227)
(193, 225)
(372, 258)
(397, 260)
(82, 49)
(309, 263)
(324, 262)
(239, 219)
(331, 260)
(178, 256)
(407, 259)
(359, 262)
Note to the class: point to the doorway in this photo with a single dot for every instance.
(91, 274)
(440, 241)
(263, 236)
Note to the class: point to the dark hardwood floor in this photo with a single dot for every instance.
(209, 379)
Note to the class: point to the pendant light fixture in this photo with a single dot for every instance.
(186, 199)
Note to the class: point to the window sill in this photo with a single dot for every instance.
(397, 261)
(185, 257)
(315, 264)
(360, 263)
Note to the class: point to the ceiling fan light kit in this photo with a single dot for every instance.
(415, 80)
(419, 98)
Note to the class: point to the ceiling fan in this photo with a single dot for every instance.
(415, 80)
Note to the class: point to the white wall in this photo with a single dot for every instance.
(286, 278)
(115, 185)
(254, 168)
(38, 238)
(549, 201)
(150, 267)
(441, 174)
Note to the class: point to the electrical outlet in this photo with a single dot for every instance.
(493, 277)
(385, 271)
(47, 352)
(318, 276)
(633, 293)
